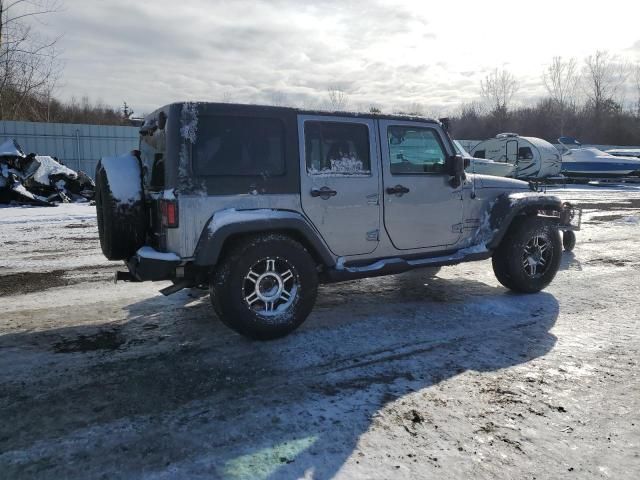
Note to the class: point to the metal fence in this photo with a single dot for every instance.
(81, 146)
(77, 146)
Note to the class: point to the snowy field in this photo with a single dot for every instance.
(396, 377)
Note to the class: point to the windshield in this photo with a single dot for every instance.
(460, 149)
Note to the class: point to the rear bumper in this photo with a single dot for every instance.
(150, 269)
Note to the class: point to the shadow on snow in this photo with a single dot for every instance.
(197, 399)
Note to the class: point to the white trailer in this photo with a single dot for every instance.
(532, 157)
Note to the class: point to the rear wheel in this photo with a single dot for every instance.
(265, 287)
(529, 256)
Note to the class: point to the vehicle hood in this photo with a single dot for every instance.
(510, 184)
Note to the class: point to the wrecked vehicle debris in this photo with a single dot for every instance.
(39, 179)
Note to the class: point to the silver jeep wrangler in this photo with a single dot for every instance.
(261, 204)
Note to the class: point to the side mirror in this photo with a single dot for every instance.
(454, 166)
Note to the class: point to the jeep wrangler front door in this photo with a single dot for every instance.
(421, 208)
(340, 181)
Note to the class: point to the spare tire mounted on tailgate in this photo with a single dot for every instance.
(120, 206)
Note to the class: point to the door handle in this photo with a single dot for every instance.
(398, 190)
(324, 193)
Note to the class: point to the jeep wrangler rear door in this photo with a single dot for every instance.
(421, 208)
(340, 181)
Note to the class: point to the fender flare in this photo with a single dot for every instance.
(227, 223)
(509, 206)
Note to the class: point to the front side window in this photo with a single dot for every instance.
(335, 148)
(239, 146)
(415, 150)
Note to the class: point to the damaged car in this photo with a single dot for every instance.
(39, 179)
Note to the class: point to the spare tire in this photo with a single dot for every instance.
(120, 206)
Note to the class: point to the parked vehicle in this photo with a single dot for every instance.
(589, 162)
(533, 158)
(261, 204)
(624, 152)
(483, 166)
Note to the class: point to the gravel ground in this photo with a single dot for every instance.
(397, 377)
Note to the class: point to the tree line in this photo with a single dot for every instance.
(30, 70)
(596, 100)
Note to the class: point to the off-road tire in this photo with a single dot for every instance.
(230, 286)
(122, 227)
(568, 240)
(508, 257)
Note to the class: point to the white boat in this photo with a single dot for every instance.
(624, 152)
(484, 166)
(589, 162)
(530, 156)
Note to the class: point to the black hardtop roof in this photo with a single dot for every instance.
(230, 108)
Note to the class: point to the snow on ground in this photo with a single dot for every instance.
(396, 377)
(41, 239)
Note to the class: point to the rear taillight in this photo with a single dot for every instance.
(169, 209)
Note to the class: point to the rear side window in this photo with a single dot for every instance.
(239, 146)
(152, 153)
(336, 148)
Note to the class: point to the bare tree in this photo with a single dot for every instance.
(279, 99)
(604, 75)
(636, 82)
(415, 108)
(226, 97)
(127, 111)
(499, 88)
(337, 99)
(28, 67)
(561, 81)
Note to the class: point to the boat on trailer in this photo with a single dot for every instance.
(624, 152)
(589, 162)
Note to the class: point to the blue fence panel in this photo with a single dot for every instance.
(78, 146)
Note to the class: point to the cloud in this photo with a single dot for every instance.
(384, 52)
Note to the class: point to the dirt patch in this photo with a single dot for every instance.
(616, 262)
(96, 268)
(80, 225)
(605, 218)
(85, 239)
(631, 203)
(29, 282)
(103, 340)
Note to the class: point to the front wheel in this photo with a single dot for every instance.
(265, 287)
(569, 240)
(529, 256)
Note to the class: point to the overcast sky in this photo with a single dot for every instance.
(390, 53)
